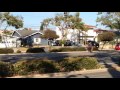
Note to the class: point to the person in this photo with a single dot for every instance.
(90, 47)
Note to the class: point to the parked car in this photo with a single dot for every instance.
(94, 43)
(117, 46)
(57, 43)
(68, 43)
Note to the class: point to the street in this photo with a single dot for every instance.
(109, 57)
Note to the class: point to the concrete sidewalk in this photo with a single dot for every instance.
(113, 72)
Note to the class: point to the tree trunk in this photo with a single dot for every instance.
(79, 36)
(4, 37)
(103, 45)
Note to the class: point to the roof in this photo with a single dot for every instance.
(89, 26)
(25, 33)
(99, 30)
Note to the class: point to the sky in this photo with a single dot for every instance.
(33, 19)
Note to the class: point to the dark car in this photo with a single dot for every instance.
(117, 46)
(94, 43)
(68, 43)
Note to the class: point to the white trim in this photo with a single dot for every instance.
(14, 32)
(33, 34)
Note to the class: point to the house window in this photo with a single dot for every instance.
(37, 40)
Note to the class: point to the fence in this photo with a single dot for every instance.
(7, 45)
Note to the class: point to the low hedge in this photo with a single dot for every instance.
(6, 69)
(35, 66)
(6, 50)
(72, 64)
(25, 67)
(64, 49)
(35, 50)
(89, 63)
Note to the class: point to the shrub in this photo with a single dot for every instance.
(18, 51)
(6, 50)
(89, 63)
(45, 66)
(68, 49)
(35, 50)
(6, 69)
(35, 66)
(72, 64)
(20, 67)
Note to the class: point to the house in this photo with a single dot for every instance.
(29, 37)
(6, 40)
(72, 34)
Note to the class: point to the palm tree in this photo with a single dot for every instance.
(64, 22)
(79, 25)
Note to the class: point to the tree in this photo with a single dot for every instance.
(64, 22)
(50, 34)
(6, 32)
(79, 25)
(109, 19)
(25, 29)
(14, 21)
(10, 20)
(106, 37)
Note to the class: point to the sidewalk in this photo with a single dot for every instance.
(96, 73)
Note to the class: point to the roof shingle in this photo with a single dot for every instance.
(24, 33)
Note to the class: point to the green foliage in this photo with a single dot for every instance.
(62, 42)
(72, 64)
(106, 36)
(35, 66)
(26, 67)
(69, 49)
(14, 21)
(109, 19)
(6, 69)
(7, 32)
(42, 26)
(35, 50)
(50, 34)
(64, 22)
(89, 63)
(6, 50)
(20, 67)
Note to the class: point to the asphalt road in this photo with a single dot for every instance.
(106, 74)
(108, 57)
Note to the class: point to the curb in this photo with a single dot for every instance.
(65, 74)
(61, 74)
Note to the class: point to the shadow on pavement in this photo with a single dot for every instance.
(39, 56)
(113, 60)
(77, 76)
(112, 70)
